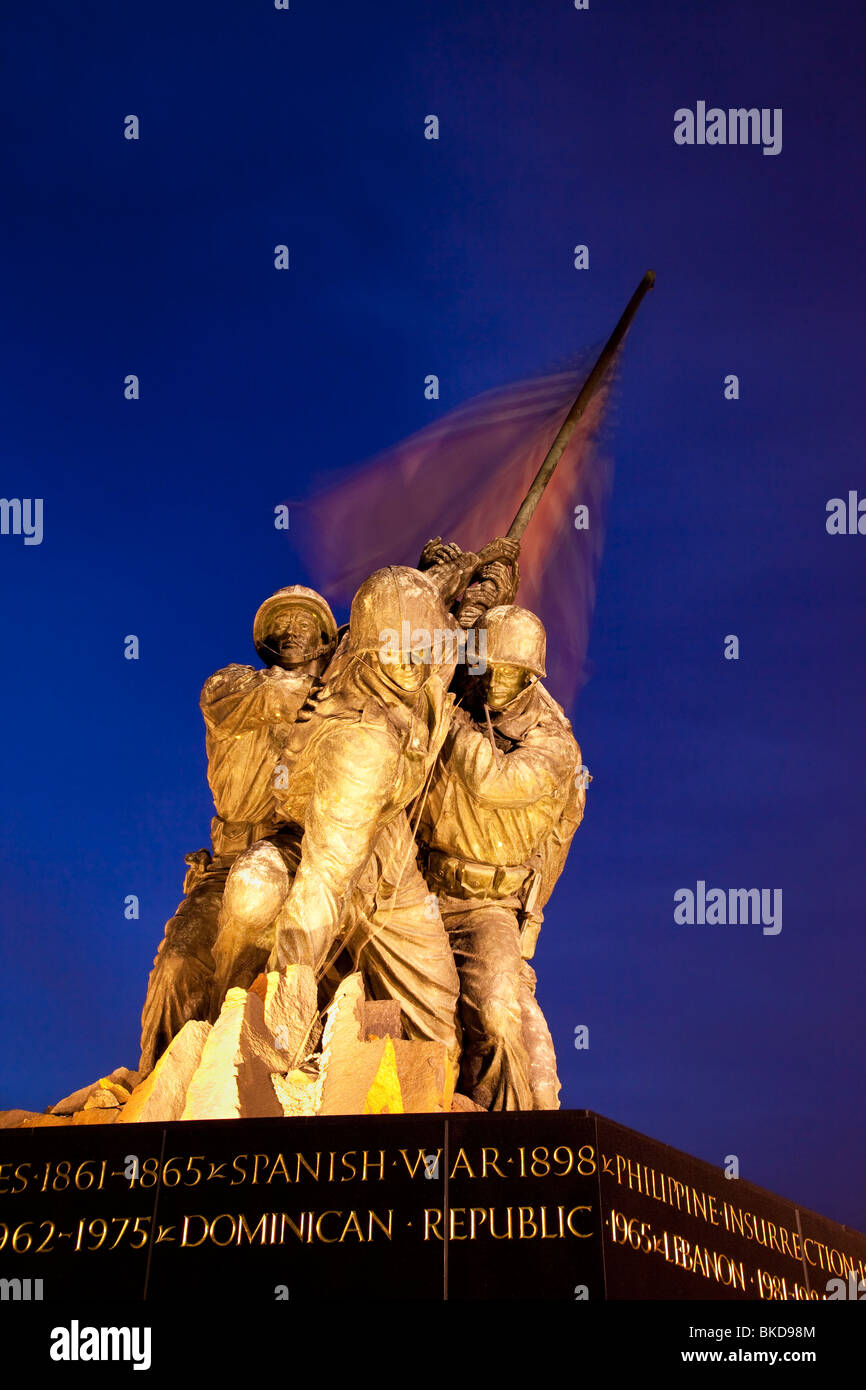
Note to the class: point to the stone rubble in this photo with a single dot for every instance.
(260, 1058)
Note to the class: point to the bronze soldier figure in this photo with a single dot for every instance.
(505, 800)
(344, 869)
(248, 713)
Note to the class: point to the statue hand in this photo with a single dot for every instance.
(506, 579)
(461, 718)
(438, 552)
(499, 549)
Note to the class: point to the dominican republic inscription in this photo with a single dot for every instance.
(545, 1205)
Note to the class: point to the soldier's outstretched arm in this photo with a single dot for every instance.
(356, 769)
(240, 698)
(543, 764)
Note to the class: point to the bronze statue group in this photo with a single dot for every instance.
(385, 806)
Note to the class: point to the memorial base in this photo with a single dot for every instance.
(555, 1205)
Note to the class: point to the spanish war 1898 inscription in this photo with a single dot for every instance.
(561, 1206)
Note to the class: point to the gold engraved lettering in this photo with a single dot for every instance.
(581, 1235)
(731, 1217)
(491, 1163)
(476, 1214)
(192, 1243)
(241, 1171)
(726, 1272)
(420, 1161)
(223, 1216)
(64, 1169)
(374, 1163)
(287, 1221)
(262, 1226)
(545, 1234)
(430, 1224)
(279, 1167)
(525, 1216)
(455, 1214)
(22, 1179)
(387, 1230)
(461, 1159)
(327, 1240)
(586, 1161)
(504, 1235)
(354, 1226)
(568, 1159)
(344, 1159)
(263, 1158)
(633, 1177)
(313, 1172)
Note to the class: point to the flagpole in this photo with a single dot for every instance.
(587, 391)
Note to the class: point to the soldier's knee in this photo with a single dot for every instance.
(498, 1018)
(257, 886)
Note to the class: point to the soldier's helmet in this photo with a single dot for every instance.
(515, 637)
(294, 596)
(398, 610)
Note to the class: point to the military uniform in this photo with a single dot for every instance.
(248, 714)
(344, 876)
(496, 828)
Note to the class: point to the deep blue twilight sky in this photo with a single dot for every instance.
(411, 256)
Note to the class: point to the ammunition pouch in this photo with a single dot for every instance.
(463, 878)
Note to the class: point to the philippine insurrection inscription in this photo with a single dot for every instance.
(563, 1206)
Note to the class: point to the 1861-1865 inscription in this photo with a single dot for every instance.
(568, 1206)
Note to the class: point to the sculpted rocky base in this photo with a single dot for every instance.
(259, 1059)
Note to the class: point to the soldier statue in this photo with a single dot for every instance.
(248, 713)
(505, 800)
(419, 822)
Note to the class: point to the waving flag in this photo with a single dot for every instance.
(463, 478)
